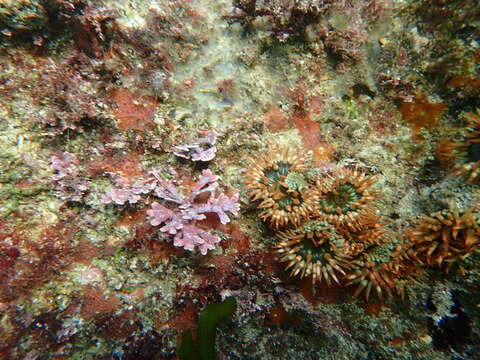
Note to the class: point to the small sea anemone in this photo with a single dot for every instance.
(277, 181)
(378, 269)
(315, 251)
(345, 198)
(370, 233)
(464, 155)
(447, 237)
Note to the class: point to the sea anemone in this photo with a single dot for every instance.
(345, 198)
(370, 233)
(378, 269)
(278, 182)
(447, 237)
(315, 250)
(464, 155)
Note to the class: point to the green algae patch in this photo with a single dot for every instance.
(204, 347)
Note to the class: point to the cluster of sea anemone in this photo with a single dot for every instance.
(448, 238)
(328, 230)
(326, 223)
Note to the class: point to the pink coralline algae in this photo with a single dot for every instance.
(203, 149)
(180, 221)
(179, 212)
(66, 176)
(64, 166)
(120, 196)
(127, 193)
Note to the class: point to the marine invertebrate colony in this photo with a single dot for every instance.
(464, 155)
(277, 181)
(338, 235)
(328, 227)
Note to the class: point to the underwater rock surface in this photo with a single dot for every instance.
(316, 161)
